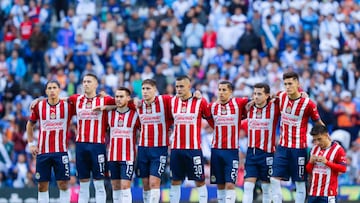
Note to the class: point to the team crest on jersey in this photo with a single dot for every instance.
(120, 123)
(88, 105)
(148, 109)
(288, 109)
(37, 175)
(52, 115)
(223, 110)
(258, 114)
(183, 109)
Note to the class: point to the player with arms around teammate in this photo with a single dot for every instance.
(123, 123)
(291, 155)
(186, 158)
(227, 113)
(327, 161)
(155, 118)
(263, 118)
(90, 139)
(54, 116)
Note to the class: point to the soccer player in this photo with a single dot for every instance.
(54, 116)
(263, 118)
(227, 113)
(327, 161)
(124, 123)
(90, 139)
(186, 157)
(156, 119)
(290, 156)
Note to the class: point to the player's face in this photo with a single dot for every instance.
(224, 93)
(321, 140)
(291, 86)
(52, 91)
(121, 98)
(182, 88)
(90, 84)
(260, 97)
(148, 92)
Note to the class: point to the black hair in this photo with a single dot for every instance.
(229, 84)
(128, 92)
(52, 81)
(291, 75)
(318, 130)
(263, 85)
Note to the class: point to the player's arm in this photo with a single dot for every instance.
(310, 164)
(109, 104)
(339, 163)
(206, 112)
(30, 138)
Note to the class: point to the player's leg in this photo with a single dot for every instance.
(250, 176)
(62, 175)
(266, 171)
(298, 175)
(231, 161)
(157, 169)
(43, 176)
(217, 174)
(195, 171)
(114, 169)
(99, 169)
(177, 170)
(83, 167)
(280, 172)
(143, 171)
(126, 173)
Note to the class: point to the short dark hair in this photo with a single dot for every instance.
(52, 81)
(318, 130)
(228, 83)
(128, 92)
(150, 82)
(263, 85)
(291, 75)
(183, 77)
(91, 75)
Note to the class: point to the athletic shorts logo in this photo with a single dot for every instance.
(269, 161)
(197, 160)
(163, 159)
(235, 164)
(101, 158)
(331, 199)
(65, 159)
(301, 161)
(213, 178)
(109, 172)
(37, 175)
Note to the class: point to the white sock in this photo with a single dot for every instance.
(276, 190)
(203, 194)
(116, 196)
(100, 193)
(64, 196)
(265, 192)
(230, 196)
(84, 194)
(300, 194)
(175, 193)
(43, 197)
(248, 192)
(125, 196)
(146, 196)
(220, 196)
(154, 195)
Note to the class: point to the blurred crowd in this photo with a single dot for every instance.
(126, 41)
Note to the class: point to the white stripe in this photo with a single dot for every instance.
(41, 135)
(196, 134)
(57, 132)
(47, 132)
(66, 118)
(100, 123)
(156, 126)
(298, 128)
(133, 122)
(82, 133)
(219, 140)
(163, 120)
(177, 137)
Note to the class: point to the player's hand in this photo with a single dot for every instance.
(304, 95)
(102, 94)
(34, 150)
(33, 103)
(312, 159)
(137, 102)
(321, 159)
(197, 94)
(97, 108)
(249, 105)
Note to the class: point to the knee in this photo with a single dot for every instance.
(43, 186)
(63, 185)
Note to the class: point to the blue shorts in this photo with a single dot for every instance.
(187, 163)
(289, 162)
(258, 164)
(91, 157)
(315, 199)
(224, 166)
(123, 170)
(58, 161)
(151, 161)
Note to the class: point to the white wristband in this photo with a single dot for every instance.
(32, 144)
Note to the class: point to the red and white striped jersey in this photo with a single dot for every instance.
(91, 125)
(155, 121)
(295, 116)
(53, 125)
(123, 127)
(324, 181)
(262, 123)
(227, 122)
(187, 121)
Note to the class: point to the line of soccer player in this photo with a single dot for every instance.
(154, 117)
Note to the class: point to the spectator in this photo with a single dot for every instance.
(81, 53)
(66, 36)
(193, 33)
(135, 27)
(37, 87)
(38, 44)
(160, 79)
(270, 36)
(248, 41)
(16, 66)
(56, 57)
(20, 171)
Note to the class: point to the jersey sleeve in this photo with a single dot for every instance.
(72, 99)
(34, 116)
(109, 100)
(313, 111)
(242, 102)
(339, 163)
(167, 105)
(205, 111)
